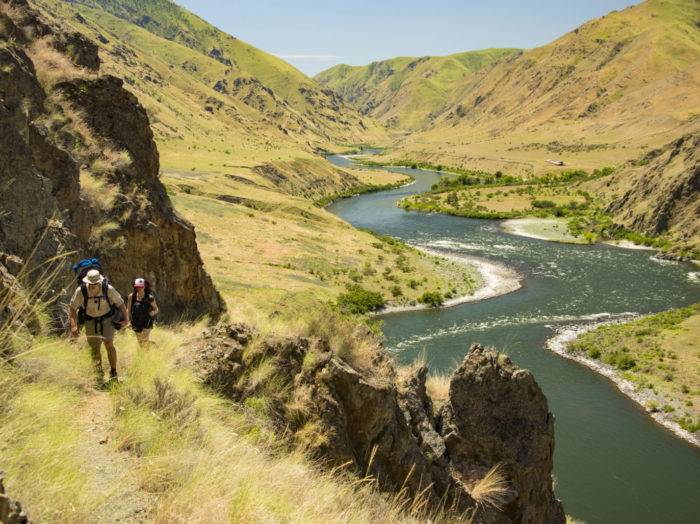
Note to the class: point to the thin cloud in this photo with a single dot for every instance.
(318, 58)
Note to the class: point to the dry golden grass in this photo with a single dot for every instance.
(176, 451)
(438, 387)
(66, 116)
(10, 11)
(493, 489)
(51, 65)
(96, 191)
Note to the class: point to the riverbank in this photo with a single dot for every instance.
(407, 180)
(497, 280)
(551, 229)
(646, 398)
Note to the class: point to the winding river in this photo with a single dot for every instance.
(613, 463)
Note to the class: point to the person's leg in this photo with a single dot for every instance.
(95, 342)
(142, 337)
(108, 332)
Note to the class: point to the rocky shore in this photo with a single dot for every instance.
(564, 336)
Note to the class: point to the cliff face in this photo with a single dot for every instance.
(80, 167)
(660, 192)
(385, 425)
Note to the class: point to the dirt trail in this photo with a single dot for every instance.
(113, 470)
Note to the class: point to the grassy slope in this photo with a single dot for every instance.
(323, 114)
(598, 95)
(659, 353)
(289, 253)
(156, 447)
(408, 92)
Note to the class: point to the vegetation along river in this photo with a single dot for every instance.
(613, 463)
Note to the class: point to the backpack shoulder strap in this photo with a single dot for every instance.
(105, 292)
(84, 291)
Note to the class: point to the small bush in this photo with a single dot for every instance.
(625, 362)
(594, 353)
(359, 301)
(543, 204)
(431, 298)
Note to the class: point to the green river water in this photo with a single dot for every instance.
(613, 463)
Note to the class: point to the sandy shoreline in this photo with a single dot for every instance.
(497, 280)
(626, 244)
(558, 344)
(550, 229)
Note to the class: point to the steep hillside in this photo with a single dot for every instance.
(79, 172)
(243, 68)
(660, 192)
(409, 92)
(215, 102)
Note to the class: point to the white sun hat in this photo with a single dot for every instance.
(93, 277)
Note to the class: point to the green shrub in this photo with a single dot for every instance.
(358, 300)
(594, 353)
(431, 298)
(543, 204)
(687, 424)
(625, 362)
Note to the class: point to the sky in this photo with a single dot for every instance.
(314, 35)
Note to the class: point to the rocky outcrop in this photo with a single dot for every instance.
(661, 192)
(496, 413)
(10, 510)
(51, 133)
(387, 427)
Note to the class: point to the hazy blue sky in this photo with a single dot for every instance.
(314, 35)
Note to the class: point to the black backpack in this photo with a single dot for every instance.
(141, 319)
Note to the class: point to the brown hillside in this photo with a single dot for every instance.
(659, 193)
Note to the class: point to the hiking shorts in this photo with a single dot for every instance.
(95, 336)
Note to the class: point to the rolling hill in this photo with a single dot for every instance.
(407, 92)
(601, 94)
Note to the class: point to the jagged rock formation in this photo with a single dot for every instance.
(79, 169)
(10, 510)
(661, 192)
(386, 425)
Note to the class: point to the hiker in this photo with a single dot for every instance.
(100, 307)
(143, 309)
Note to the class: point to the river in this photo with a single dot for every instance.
(613, 463)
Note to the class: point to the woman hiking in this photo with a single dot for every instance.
(143, 309)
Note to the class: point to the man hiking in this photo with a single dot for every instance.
(96, 302)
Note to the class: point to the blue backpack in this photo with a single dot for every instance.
(81, 268)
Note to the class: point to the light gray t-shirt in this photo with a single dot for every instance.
(97, 305)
